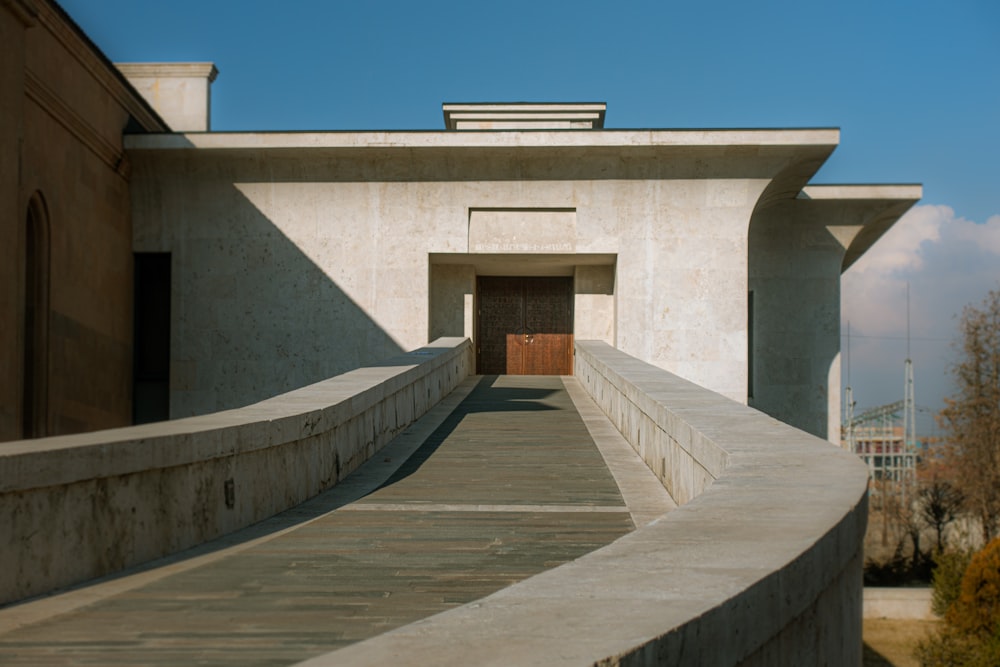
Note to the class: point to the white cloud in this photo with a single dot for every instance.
(948, 262)
(898, 250)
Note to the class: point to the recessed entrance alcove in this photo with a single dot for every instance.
(523, 310)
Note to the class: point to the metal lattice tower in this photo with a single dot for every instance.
(882, 446)
(847, 424)
(847, 430)
(909, 432)
(890, 452)
(909, 482)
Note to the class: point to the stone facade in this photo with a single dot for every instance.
(297, 256)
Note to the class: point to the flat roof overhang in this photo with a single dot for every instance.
(883, 206)
(786, 157)
(339, 140)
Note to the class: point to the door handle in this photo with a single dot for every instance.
(527, 334)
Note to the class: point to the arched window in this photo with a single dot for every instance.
(34, 410)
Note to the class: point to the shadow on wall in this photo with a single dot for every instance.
(253, 316)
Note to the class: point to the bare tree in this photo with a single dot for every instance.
(972, 415)
(940, 502)
(906, 516)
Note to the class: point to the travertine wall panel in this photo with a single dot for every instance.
(594, 303)
(522, 231)
(453, 287)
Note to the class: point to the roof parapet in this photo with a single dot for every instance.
(180, 92)
(524, 116)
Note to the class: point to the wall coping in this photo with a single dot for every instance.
(65, 459)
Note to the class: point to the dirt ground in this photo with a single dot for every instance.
(890, 642)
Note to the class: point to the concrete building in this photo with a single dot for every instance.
(150, 268)
(265, 261)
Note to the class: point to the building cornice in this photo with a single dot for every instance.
(23, 10)
(179, 70)
(75, 124)
(62, 28)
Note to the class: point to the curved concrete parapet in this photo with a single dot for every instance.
(77, 507)
(761, 565)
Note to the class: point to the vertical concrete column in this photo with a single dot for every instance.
(795, 281)
(797, 252)
(16, 17)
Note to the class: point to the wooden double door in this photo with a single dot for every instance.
(524, 326)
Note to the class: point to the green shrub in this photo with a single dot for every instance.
(950, 648)
(949, 567)
(971, 635)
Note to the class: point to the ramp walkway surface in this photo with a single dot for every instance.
(505, 478)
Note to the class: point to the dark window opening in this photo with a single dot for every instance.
(151, 364)
(34, 387)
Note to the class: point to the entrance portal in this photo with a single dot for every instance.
(524, 326)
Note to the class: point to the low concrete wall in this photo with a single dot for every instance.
(899, 603)
(77, 507)
(761, 565)
(803, 500)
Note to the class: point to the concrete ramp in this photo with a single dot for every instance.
(500, 481)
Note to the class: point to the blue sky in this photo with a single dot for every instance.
(914, 86)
